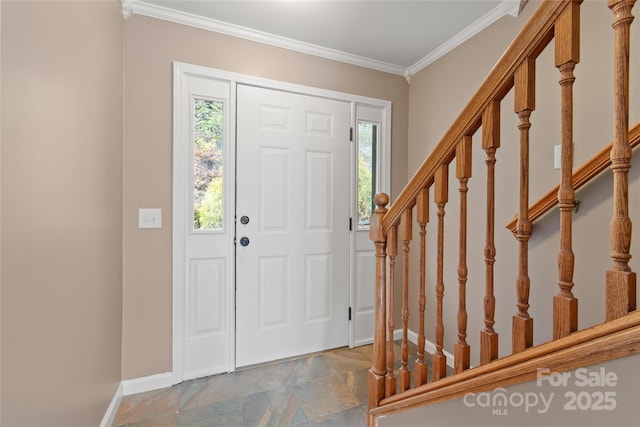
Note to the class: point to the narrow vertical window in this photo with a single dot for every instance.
(208, 163)
(367, 146)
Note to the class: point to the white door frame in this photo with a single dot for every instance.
(180, 127)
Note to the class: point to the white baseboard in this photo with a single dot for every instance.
(112, 410)
(152, 382)
(429, 347)
(136, 385)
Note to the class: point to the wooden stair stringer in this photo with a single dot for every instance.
(607, 341)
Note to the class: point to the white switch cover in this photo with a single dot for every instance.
(557, 156)
(149, 218)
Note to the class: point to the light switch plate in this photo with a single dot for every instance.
(557, 157)
(149, 218)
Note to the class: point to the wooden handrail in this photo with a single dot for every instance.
(587, 347)
(529, 43)
(592, 168)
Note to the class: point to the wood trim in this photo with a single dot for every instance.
(581, 176)
(597, 344)
(529, 43)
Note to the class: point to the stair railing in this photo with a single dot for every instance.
(552, 20)
(582, 176)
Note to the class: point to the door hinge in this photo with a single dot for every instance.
(351, 134)
(349, 313)
(350, 224)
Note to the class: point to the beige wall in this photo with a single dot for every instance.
(61, 217)
(151, 46)
(437, 95)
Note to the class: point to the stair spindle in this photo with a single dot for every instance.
(567, 45)
(490, 144)
(404, 374)
(438, 359)
(422, 214)
(462, 351)
(392, 251)
(620, 280)
(524, 104)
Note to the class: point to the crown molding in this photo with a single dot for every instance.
(138, 7)
(131, 7)
(507, 7)
(513, 7)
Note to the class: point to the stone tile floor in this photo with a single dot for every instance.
(322, 389)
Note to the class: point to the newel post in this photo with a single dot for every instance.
(378, 368)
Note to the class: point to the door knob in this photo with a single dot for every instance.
(244, 241)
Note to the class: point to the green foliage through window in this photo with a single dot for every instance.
(367, 145)
(208, 203)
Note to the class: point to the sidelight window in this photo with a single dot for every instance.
(208, 163)
(367, 152)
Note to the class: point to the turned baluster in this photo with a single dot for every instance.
(376, 376)
(439, 360)
(620, 280)
(422, 213)
(524, 104)
(490, 143)
(461, 354)
(392, 250)
(567, 55)
(404, 375)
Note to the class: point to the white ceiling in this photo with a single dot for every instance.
(395, 36)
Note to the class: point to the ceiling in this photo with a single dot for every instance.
(395, 36)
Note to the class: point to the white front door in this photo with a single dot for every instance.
(292, 224)
(297, 175)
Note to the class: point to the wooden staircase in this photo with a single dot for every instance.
(392, 229)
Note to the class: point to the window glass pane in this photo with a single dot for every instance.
(208, 200)
(367, 146)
